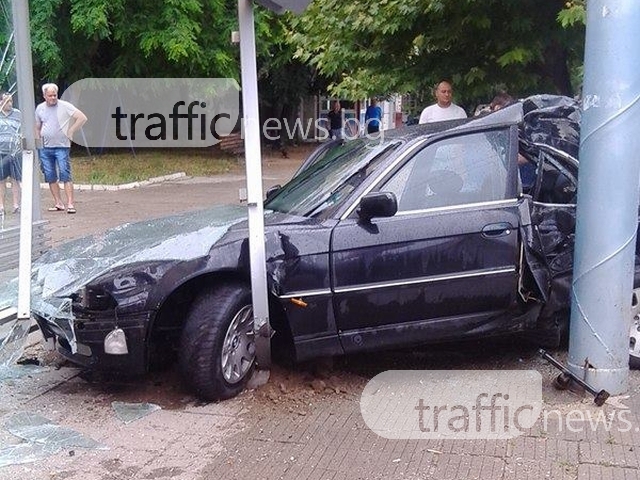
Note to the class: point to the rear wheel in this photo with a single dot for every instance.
(217, 348)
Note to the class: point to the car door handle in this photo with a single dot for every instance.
(497, 229)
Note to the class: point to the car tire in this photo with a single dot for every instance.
(217, 348)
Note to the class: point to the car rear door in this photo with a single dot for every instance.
(446, 263)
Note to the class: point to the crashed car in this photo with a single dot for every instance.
(424, 234)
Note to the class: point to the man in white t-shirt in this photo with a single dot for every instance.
(56, 122)
(444, 108)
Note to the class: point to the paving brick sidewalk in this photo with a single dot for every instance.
(325, 437)
(298, 428)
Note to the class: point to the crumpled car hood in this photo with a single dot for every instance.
(64, 270)
(552, 120)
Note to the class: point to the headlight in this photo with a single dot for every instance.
(125, 287)
(96, 298)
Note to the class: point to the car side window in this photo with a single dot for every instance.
(527, 173)
(460, 170)
(558, 184)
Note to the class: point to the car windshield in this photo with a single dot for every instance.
(331, 178)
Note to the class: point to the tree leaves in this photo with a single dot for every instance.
(408, 45)
(517, 55)
(91, 17)
(574, 14)
(73, 39)
(360, 47)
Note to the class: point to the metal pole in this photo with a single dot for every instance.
(30, 210)
(251, 124)
(607, 210)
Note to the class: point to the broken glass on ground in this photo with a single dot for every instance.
(14, 372)
(13, 336)
(25, 453)
(42, 439)
(130, 412)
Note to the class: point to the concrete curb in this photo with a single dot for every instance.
(124, 186)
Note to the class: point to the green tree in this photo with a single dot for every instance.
(282, 79)
(74, 39)
(402, 46)
(574, 13)
(7, 53)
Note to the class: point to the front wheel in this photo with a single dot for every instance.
(217, 347)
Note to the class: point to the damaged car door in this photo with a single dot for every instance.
(445, 265)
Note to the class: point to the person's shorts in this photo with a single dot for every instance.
(10, 167)
(55, 164)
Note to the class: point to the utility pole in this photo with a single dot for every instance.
(251, 131)
(607, 211)
(30, 185)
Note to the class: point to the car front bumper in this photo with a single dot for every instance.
(82, 341)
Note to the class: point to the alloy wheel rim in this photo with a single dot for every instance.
(238, 349)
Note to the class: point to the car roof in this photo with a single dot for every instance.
(510, 115)
(552, 120)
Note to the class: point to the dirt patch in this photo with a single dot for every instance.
(297, 388)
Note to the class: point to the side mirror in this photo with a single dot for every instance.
(272, 191)
(378, 204)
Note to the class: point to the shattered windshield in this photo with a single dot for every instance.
(331, 178)
(62, 271)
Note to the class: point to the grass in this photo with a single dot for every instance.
(115, 168)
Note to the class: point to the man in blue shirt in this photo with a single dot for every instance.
(335, 117)
(373, 117)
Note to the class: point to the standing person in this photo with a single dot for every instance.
(444, 108)
(335, 121)
(10, 149)
(373, 116)
(56, 122)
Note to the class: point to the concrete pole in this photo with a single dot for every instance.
(251, 129)
(607, 210)
(30, 210)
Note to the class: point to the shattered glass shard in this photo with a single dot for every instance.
(130, 412)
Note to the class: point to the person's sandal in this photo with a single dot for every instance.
(71, 210)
